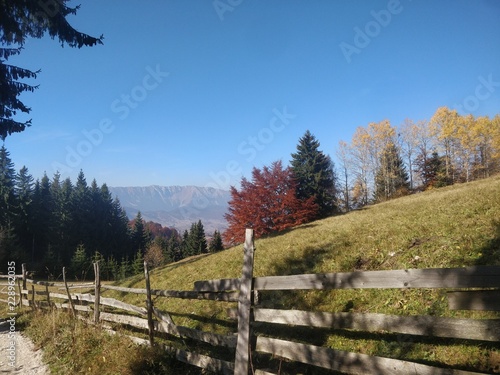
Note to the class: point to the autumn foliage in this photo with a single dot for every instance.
(268, 203)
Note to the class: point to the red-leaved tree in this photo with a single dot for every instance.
(266, 204)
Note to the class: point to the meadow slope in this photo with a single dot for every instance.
(449, 227)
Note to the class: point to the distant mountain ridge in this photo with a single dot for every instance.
(176, 206)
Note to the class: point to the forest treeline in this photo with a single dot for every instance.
(51, 223)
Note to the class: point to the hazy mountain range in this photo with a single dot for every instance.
(176, 206)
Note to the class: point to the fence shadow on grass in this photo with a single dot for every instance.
(490, 253)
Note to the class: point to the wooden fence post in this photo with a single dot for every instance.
(48, 295)
(97, 293)
(243, 358)
(33, 297)
(69, 294)
(149, 304)
(23, 268)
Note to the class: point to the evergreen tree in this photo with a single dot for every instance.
(125, 268)
(216, 243)
(120, 235)
(7, 186)
(82, 212)
(315, 175)
(111, 271)
(138, 263)
(174, 249)
(140, 236)
(60, 215)
(20, 20)
(432, 171)
(196, 242)
(80, 263)
(24, 219)
(392, 179)
(42, 217)
(185, 245)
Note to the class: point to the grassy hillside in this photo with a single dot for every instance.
(450, 227)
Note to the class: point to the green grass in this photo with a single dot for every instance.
(450, 227)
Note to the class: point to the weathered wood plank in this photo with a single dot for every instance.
(424, 325)
(167, 325)
(106, 301)
(166, 319)
(125, 319)
(188, 294)
(124, 289)
(485, 300)
(347, 362)
(199, 360)
(228, 341)
(217, 285)
(242, 357)
(58, 295)
(469, 277)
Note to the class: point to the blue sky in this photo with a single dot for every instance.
(199, 92)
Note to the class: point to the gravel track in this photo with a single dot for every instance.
(28, 361)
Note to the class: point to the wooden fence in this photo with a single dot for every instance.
(485, 295)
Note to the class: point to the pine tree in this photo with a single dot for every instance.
(174, 249)
(7, 186)
(80, 263)
(391, 179)
(432, 171)
(314, 173)
(138, 263)
(60, 216)
(111, 271)
(82, 211)
(196, 242)
(140, 237)
(24, 192)
(125, 268)
(216, 243)
(43, 207)
(20, 20)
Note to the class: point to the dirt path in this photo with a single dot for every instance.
(28, 361)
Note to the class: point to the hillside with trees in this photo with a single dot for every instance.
(383, 161)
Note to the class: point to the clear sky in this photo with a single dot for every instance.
(193, 92)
